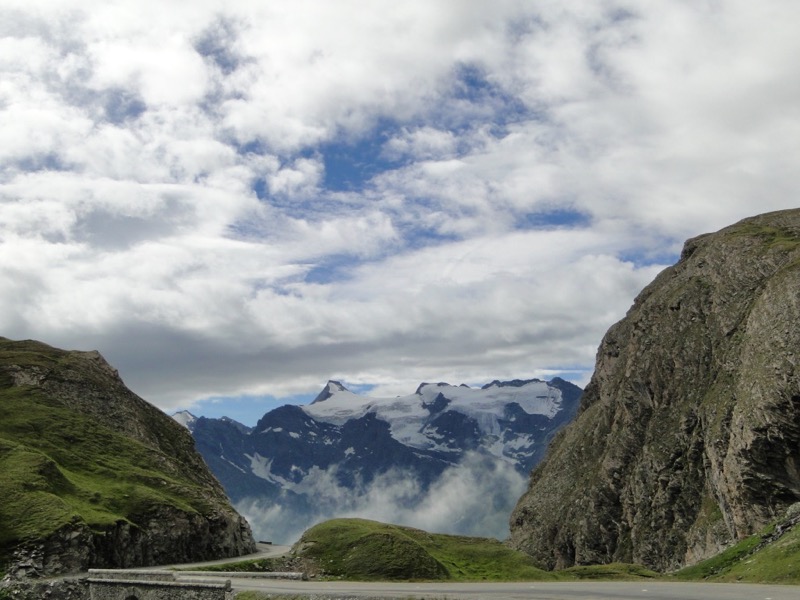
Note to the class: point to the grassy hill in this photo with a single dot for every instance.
(358, 549)
(771, 556)
(62, 467)
(57, 467)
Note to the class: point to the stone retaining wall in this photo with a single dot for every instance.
(138, 574)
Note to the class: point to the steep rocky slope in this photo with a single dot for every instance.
(94, 476)
(688, 435)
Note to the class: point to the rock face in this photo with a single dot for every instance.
(688, 435)
(94, 476)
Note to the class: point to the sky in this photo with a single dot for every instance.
(235, 201)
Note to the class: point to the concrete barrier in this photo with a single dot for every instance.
(113, 586)
(160, 584)
(296, 576)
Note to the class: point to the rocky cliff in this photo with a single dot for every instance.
(688, 435)
(94, 476)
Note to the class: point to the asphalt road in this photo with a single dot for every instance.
(503, 591)
(264, 551)
(528, 591)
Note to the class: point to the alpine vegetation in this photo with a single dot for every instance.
(92, 475)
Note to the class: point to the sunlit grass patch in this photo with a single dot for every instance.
(359, 549)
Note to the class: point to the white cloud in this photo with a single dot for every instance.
(423, 143)
(301, 179)
(133, 138)
(471, 498)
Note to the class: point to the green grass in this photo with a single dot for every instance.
(359, 549)
(56, 465)
(749, 561)
(720, 563)
(363, 550)
(774, 236)
(59, 466)
(610, 572)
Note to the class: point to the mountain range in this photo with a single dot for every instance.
(428, 459)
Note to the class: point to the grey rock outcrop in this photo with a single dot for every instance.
(52, 589)
(688, 435)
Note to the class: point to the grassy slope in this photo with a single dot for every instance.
(358, 549)
(752, 562)
(58, 466)
(361, 549)
(346, 548)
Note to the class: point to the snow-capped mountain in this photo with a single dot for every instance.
(447, 458)
(185, 418)
(188, 420)
(507, 420)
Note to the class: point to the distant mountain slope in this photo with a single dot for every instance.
(401, 459)
(688, 436)
(94, 476)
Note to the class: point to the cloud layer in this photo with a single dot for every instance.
(237, 198)
(473, 498)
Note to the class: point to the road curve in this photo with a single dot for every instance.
(526, 590)
(262, 551)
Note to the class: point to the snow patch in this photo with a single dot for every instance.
(262, 467)
(185, 418)
(407, 415)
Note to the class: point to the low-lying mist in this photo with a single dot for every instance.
(473, 498)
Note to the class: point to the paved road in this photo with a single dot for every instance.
(504, 591)
(264, 551)
(527, 591)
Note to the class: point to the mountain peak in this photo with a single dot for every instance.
(185, 418)
(329, 390)
(337, 454)
(240, 426)
(423, 385)
(512, 383)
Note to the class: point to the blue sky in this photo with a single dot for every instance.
(237, 201)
